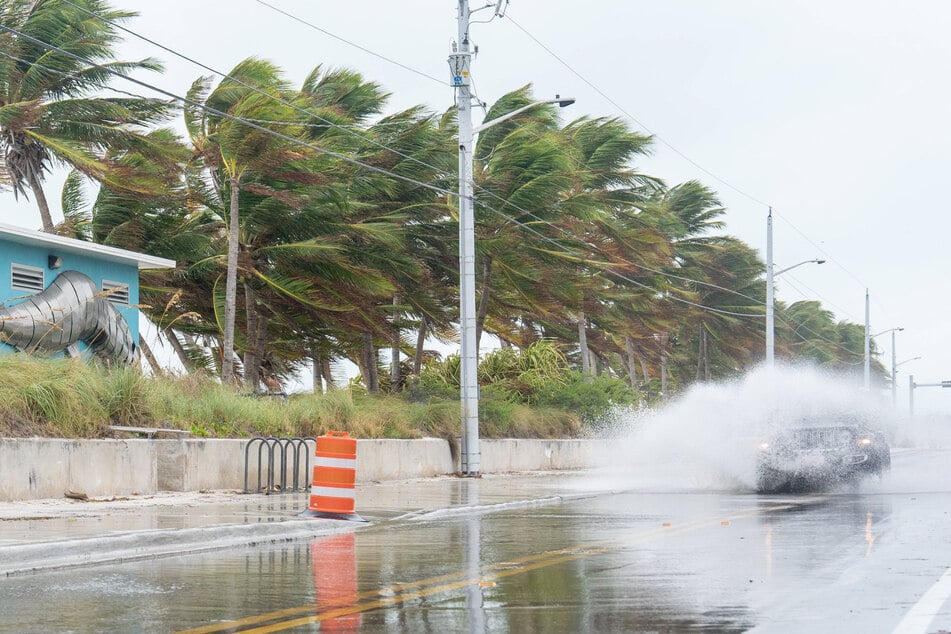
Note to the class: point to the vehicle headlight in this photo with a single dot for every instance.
(865, 442)
(763, 446)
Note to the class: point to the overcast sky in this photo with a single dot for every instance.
(834, 113)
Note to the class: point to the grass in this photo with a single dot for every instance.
(72, 399)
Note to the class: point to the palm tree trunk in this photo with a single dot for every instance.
(483, 300)
(147, 353)
(179, 349)
(231, 288)
(317, 366)
(420, 342)
(701, 344)
(631, 367)
(583, 344)
(370, 375)
(395, 351)
(706, 356)
(645, 372)
(42, 203)
(328, 375)
(663, 367)
(252, 362)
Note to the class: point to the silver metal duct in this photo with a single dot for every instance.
(69, 310)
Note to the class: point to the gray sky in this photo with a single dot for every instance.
(834, 113)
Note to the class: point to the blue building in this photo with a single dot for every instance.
(64, 296)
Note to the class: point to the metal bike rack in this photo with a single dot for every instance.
(274, 456)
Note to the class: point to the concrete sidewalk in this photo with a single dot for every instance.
(46, 534)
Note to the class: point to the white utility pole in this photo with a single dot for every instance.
(460, 61)
(894, 370)
(770, 326)
(867, 346)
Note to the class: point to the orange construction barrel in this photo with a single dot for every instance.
(332, 493)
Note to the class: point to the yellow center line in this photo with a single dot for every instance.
(456, 580)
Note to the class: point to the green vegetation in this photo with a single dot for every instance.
(292, 253)
(72, 399)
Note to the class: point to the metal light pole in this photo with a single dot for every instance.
(770, 298)
(894, 370)
(894, 365)
(459, 63)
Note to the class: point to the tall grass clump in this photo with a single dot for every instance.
(41, 397)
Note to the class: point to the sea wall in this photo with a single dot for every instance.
(34, 468)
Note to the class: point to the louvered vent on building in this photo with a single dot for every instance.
(26, 278)
(116, 292)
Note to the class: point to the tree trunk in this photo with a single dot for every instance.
(317, 369)
(328, 375)
(645, 371)
(663, 367)
(252, 362)
(259, 346)
(231, 288)
(420, 342)
(706, 356)
(179, 349)
(147, 353)
(583, 344)
(395, 351)
(701, 344)
(631, 367)
(483, 300)
(370, 375)
(45, 216)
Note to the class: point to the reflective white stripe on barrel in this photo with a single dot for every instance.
(339, 463)
(332, 492)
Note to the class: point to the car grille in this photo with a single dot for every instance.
(823, 438)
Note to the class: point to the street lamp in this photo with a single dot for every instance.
(770, 299)
(894, 365)
(459, 63)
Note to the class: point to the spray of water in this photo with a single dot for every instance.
(709, 438)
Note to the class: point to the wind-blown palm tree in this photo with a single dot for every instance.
(54, 59)
(235, 152)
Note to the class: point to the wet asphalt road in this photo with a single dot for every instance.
(870, 560)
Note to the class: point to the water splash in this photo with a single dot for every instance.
(708, 438)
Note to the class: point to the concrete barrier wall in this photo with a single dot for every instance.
(40, 468)
(33, 469)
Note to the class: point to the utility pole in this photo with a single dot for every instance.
(867, 346)
(770, 326)
(460, 62)
(911, 396)
(894, 371)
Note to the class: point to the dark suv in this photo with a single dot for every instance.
(817, 455)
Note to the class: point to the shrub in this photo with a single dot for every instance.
(589, 397)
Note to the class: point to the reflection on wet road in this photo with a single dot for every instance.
(632, 561)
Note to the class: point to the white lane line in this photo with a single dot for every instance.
(921, 615)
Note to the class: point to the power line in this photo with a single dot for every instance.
(328, 123)
(348, 42)
(253, 88)
(669, 145)
(361, 164)
(225, 115)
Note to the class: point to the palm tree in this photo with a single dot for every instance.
(53, 60)
(235, 152)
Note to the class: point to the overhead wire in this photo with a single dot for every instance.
(674, 149)
(622, 110)
(338, 126)
(348, 42)
(338, 156)
(225, 115)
